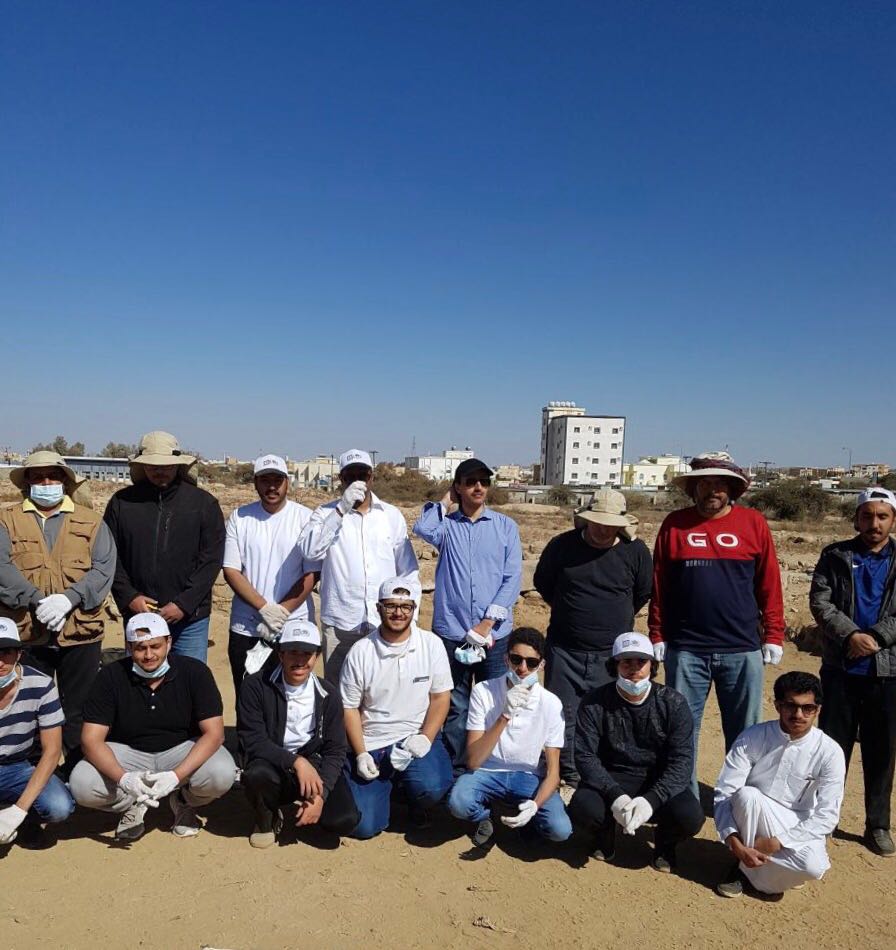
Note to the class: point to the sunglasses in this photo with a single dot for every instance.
(807, 709)
(531, 662)
(476, 480)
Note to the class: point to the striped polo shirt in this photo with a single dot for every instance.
(35, 706)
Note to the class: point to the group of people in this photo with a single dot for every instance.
(458, 715)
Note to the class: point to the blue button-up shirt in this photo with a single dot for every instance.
(479, 569)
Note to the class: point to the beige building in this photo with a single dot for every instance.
(652, 471)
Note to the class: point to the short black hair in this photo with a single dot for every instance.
(797, 682)
(528, 637)
(612, 666)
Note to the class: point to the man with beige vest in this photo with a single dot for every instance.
(57, 561)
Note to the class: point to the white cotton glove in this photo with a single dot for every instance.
(163, 783)
(637, 812)
(618, 808)
(527, 813)
(10, 819)
(136, 785)
(772, 653)
(274, 615)
(366, 767)
(517, 698)
(659, 651)
(52, 610)
(400, 758)
(417, 745)
(486, 642)
(353, 495)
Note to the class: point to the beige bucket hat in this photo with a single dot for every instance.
(161, 448)
(607, 507)
(44, 459)
(713, 463)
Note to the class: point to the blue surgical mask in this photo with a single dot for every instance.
(154, 674)
(469, 654)
(46, 496)
(518, 680)
(9, 678)
(637, 689)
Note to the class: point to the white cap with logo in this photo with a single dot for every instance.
(270, 463)
(9, 635)
(145, 627)
(632, 644)
(354, 457)
(399, 588)
(298, 634)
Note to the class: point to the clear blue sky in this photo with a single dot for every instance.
(307, 226)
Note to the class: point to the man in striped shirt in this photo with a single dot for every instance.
(29, 794)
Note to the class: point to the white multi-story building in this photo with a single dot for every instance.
(581, 449)
(439, 468)
(551, 411)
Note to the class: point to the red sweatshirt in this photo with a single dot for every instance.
(716, 583)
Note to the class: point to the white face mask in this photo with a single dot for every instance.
(46, 496)
(634, 688)
(9, 678)
(518, 680)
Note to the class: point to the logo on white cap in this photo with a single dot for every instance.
(300, 632)
(354, 457)
(145, 627)
(9, 630)
(632, 644)
(270, 463)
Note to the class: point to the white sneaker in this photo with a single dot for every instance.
(130, 825)
(186, 821)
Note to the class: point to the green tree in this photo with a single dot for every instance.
(889, 481)
(60, 446)
(117, 450)
(559, 495)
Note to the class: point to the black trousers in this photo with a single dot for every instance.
(75, 669)
(569, 674)
(237, 648)
(867, 705)
(268, 787)
(678, 818)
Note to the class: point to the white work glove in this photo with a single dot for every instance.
(637, 812)
(618, 808)
(135, 784)
(52, 610)
(274, 615)
(486, 642)
(400, 758)
(10, 819)
(772, 653)
(659, 651)
(517, 698)
(366, 767)
(353, 495)
(163, 783)
(527, 813)
(417, 745)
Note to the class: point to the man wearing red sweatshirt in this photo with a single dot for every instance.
(717, 612)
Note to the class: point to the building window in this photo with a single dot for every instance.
(575, 445)
(575, 461)
(616, 431)
(576, 429)
(597, 428)
(613, 462)
(574, 476)
(614, 445)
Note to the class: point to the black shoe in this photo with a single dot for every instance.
(484, 835)
(880, 841)
(733, 885)
(664, 860)
(605, 843)
(33, 836)
(419, 818)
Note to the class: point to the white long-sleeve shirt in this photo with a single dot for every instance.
(358, 552)
(805, 775)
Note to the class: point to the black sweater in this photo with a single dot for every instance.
(594, 593)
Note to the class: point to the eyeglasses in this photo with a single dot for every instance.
(475, 480)
(398, 608)
(531, 662)
(807, 709)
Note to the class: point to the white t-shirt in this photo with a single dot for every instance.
(264, 548)
(391, 684)
(526, 735)
(299, 715)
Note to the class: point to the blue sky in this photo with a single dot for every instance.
(302, 227)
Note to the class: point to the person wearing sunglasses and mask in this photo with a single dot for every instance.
(478, 577)
(779, 794)
(515, 732)
(634, 750)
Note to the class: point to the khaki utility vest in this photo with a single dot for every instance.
(53, 571)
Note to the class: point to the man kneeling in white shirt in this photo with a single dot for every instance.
(515, 732)
(779, 794)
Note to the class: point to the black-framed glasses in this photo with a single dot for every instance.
(807, 709)
(398, 608)
(517, 659)
(473, 480)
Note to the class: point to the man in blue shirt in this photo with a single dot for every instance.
(477, 583)
(853, 600)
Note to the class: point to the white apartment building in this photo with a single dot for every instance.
(583, 450)
(439, 468)
(551, 411)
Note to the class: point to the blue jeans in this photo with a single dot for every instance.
(738, 681)
(190, 639)
(54, 802)
(454, 732)
(425, 782)
(474, 792)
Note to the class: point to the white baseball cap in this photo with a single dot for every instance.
(145, 627)
(9, 635)
(270, 463)
(395, 587)
(299, 634)
(354, 457)
(632, 644)
(876, 494)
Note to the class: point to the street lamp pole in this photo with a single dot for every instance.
(846, 448)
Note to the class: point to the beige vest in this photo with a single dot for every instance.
(53, 571)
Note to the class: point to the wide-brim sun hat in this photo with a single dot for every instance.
(161, 448)
(607, 507)
(44, 459)
(709, 464)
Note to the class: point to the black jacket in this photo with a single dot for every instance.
(261, 725)
(653, 742)
(170, 546)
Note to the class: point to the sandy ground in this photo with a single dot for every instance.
(426, 891)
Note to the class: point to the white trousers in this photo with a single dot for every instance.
(757, 815)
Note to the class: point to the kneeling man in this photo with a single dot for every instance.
(396, 687)
(153, 728)
(292, 734)
(515, 732)
(779, 794)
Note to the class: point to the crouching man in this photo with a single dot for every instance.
(292, 734)
(634, 749)
(396, 687)
(779, 794)
(30, 718)
(153, 729)
(515, 732)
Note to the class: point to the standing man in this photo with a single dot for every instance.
(595, 578)
(717, 611)
(57, 561)
(853, 600)
(477, 583)
(360, 542)
(263, 565)
(170, 539)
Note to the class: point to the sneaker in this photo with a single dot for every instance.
(605, 849)
(484, 834)
(733, 885)
(880, 842)
(130, 825)
(264, 835)
(664, 861)
(186, 821)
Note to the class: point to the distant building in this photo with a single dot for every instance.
(438, 468)
(320, 472)
(653, 471)
(552, 411)
(99, 469)
(581, 449)
(870, 470)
